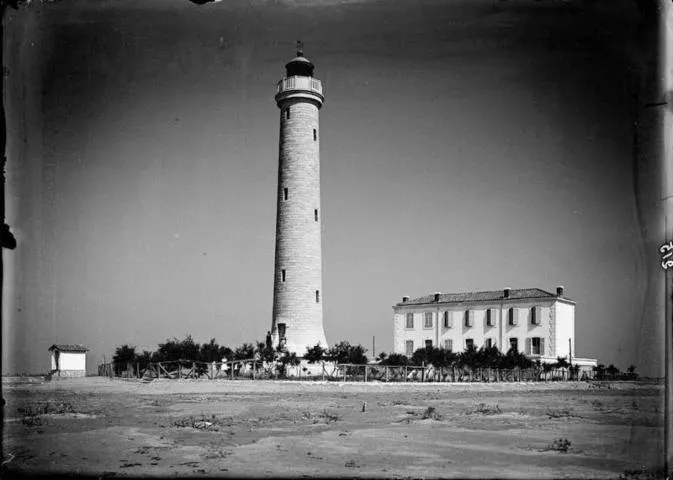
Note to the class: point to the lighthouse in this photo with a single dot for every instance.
(297, 287)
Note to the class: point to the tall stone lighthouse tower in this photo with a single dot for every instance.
(297, 286)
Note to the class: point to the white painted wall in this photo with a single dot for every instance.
(69, 361)
(565, 328)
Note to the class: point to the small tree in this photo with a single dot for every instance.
(244, 352)
(210, 352)
(632, 372)
(561, 362)
(315, 353)
(344, 352)
(422, 356)
(612, 371)
(144, 359)
(600, 371)
(123, 357)
(395, 360)
(287, 359)
(265, 353)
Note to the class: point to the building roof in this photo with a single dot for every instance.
(489, 296)
(70, 348)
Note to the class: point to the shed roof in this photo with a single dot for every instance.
(70, 348)
(488, 296)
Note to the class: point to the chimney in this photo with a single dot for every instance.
(507, 289)
(405, 299)
(559, 291)
(437, 294)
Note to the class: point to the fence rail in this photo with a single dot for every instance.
(329, 371)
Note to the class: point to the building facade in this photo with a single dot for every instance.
(68, 360)
(533, 321)
(297, 320)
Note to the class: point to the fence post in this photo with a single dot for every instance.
(366, 373)
(231, 372)
(323, 370)
(386, 367)
(406, 374)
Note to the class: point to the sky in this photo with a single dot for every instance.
(465, 145)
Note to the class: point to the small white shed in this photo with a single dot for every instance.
(68, 360)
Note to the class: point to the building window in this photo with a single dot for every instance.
(489, 317)
(285, 194)
(428, 344)
(469, 343)
(448, 321)
(489, 343)
(315, 134)
(534, 318)
(468, 318)
(287, 113)
(410, 320)
(282, 274)
(536, 344)
(315, 214)
(409, 348)
(317, 296)
(448, 345)
(428, 320)
(514, 344)
(510, 316)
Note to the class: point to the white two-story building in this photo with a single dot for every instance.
(533, 321)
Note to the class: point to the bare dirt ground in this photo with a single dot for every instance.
(98, 426)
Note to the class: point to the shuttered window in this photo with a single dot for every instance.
(511, 317)
(448, 321)
(428, 320)
(468, 318)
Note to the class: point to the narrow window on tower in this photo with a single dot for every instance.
(282, 274)
(315, 134)
(317, 296)
(315, 214)
(287, 113)
(285, 194)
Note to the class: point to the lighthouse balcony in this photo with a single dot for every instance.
(300, 87)
(300, 83)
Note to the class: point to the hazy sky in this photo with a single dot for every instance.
(465, 145)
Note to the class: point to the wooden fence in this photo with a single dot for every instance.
(328, 371)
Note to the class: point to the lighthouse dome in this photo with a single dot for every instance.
(299, 66)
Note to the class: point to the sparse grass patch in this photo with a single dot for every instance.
(431, 413)
(598, 405)
(483, 409)
(645, 474)
(31, 413)
(560, 412)
(322, 417)
(204, 423)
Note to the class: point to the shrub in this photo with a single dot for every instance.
(483, 409)
(560, 445)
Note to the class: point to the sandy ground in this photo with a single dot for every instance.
(98, 426)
